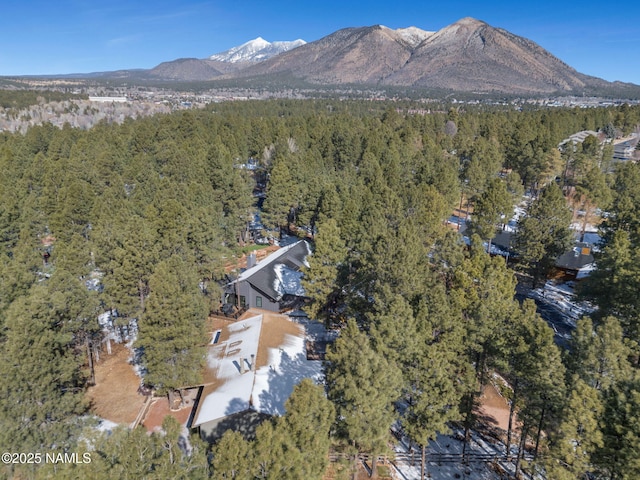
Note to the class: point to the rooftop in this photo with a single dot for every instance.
(253, 364)
(577, 258)
(277, 274)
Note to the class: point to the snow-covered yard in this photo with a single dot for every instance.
(485, 459)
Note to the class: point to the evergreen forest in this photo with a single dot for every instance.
(141, 219)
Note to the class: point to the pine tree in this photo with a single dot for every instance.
(181, 457)
(320, 279)
(126, 279)
(309, 418)
(363, 385)
(10, 201)
(536, 374)
(41, 390)
(79, 308)
(291, 447)
(275, 455)
(543, 233)
(20, 271)
(619, 458)
(393, 327)
(73, 255)
(482, 293)
(578, 435)
(282, 195)
(540, 376)
(613, 284)
(72, 213)
(231, 189)
(435, 396)
(386, 257)
(232, 457)
(600, 356)
(480, 163)
(134, 454)
(594, 192)
(171, 329)
(492, 206)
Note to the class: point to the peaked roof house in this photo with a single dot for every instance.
(577, 262)
(252, 367)
(579, 137)
(272, 284)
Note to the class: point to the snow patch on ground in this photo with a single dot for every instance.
(518, 212)
(106, 426)
(316, 331)
(562, 297)
(113, 330)
(444, 458)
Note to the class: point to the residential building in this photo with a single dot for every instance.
(272, 284)
(252, 366)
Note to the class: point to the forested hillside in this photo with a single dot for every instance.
(151, 211)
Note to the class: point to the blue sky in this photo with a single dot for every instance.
(71, 36)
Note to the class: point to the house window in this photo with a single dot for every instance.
(259, 302)
(243, 301)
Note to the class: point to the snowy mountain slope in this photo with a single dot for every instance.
(414, 36)
(255, 51)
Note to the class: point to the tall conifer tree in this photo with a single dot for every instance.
(171, 330)
(363, 385)
(543, 233)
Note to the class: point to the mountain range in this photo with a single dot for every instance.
(255, 51)
(466, 56)
(219, 64)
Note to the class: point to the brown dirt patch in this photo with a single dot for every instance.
(493, 411)
(343, 470)
(115, 396)
(160, 409)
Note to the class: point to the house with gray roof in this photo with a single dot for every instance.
(272, 284)
(577, 262)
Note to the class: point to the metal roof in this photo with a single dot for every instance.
(266, 275)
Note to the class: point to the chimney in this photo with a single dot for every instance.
(242, 367)
(251, 260)
(253, 362)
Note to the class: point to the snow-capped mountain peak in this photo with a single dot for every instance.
(414, 35)
(255, 51)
